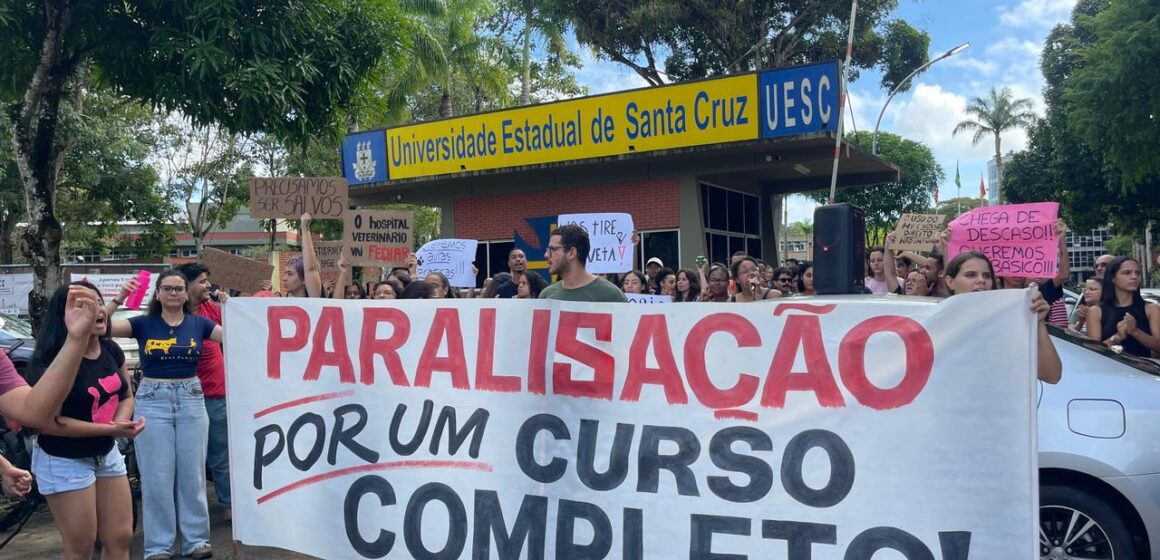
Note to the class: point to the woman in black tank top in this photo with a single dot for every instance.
(1123, 318)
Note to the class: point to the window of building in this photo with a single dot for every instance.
(732, 221)
(662, 244)
(491, 258)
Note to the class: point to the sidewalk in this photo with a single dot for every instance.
(39, 539)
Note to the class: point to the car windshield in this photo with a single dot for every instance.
(1147, 365)
(16, 325)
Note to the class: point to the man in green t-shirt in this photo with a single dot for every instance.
(567, 254)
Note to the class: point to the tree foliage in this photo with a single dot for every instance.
(1062, 163)
(677, 40)
(885, 203)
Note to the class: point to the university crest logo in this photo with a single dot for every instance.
(364, 161)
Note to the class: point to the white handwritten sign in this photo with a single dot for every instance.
(452, 257)
(611, 237)
(648, 298)
(14, 290)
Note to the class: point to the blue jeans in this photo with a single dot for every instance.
(171, 457)
(217, 459)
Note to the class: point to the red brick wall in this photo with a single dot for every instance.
(652, 203)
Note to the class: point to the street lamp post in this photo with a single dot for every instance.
(898, 87)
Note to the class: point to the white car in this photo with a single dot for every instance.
(1099, 456)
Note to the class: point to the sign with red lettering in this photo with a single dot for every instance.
(1019, 239)
(610, 239)
(378, 237)
(537, 429)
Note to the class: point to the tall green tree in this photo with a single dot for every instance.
(1113, 94)
(282, 67)
(884, 204)
(677, 40)
(996, 114)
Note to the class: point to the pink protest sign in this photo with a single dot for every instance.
(1018, 238)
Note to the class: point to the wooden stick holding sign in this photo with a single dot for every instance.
(378, 237)
(234, 272)
(918, 232)
(610, 235)
(290, 197)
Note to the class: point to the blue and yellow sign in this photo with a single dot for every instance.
(717, 111)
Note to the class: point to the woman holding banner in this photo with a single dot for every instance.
(171, 453)
(1123, 318)
(688, 286)
(971, 271)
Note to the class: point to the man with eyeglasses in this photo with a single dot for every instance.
(783, 280)
(567, 255)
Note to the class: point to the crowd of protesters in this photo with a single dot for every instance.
(81, 395)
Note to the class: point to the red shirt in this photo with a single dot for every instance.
(211, 368)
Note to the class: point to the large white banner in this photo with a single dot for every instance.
(842, 428)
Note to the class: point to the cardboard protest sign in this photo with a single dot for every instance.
(234, 272)
(328, 254)
(1019, 239)
(707, 428)
(648, 298)
(610, 235)
(14, 290)
(452, 257)
(918, 232)
(110, 284)
(291, 197)
(378, 237)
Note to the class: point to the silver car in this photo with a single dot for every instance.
(1099, 455)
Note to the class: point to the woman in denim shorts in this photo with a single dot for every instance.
(77, 465)
(171, 453)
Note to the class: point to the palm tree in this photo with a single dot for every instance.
(996, 114)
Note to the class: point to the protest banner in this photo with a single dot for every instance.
(409, 429)
(610, 235)
(648, 298)
(1019, 239)
(291, 197)
(14, 290)
(451, 257)
(378, 237)
(234, 272)
(918, 232)
(110, 284)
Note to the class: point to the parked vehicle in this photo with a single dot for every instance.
(16, 338)
(1099, 464)
(129, 345)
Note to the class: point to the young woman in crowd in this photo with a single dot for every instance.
(634, 282)
(1123, 318)
(972, 272)
(78, 467)
(1093, 288)
(302, 277)
(881, 277)
(666, 282)
(716, 288)
(171, 453)
(418, 290)
(917, 284)
(805, 279)
(441, 286)
(386, 290)
(748, 283)
(530, 286)
(688, 286)
(36, 407)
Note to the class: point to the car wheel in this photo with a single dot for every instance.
(1077, 525)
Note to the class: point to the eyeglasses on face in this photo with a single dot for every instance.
(173, 289)
(554, 248)
(784, 279)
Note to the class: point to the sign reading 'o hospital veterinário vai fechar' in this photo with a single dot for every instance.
(735, 108)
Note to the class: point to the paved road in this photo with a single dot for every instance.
(39, 539)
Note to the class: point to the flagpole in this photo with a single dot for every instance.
(842, 101)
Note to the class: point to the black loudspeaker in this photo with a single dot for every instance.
(839, 249)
